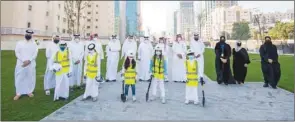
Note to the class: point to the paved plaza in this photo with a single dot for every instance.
(233, 102)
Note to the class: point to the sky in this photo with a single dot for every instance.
(158, 15)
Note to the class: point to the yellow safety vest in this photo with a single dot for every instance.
(158, 69)
(191, 74)
(63, 59)
(130, 76)
(92, 68)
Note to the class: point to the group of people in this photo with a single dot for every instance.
(269, 63)
(165, 62)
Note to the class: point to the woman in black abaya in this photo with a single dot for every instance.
(240, 63)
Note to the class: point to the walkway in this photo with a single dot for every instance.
(233, 102)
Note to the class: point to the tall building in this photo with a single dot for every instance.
(187, 18)
(132, 17)
(117, 17)
(224, 18)
(176, 22)
(47, 18)
(208, 7)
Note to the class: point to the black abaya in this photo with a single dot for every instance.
(223, 70)
(240, 58)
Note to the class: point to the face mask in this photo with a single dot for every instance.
(239, 44)
(91, 51)
(28, 37)
(56, 41)
(158, 53)
(130, 58)
(191, 57)
(222, 40)
(196, 38)
(95, 39)
(62, 48)
(178, 39)
(76, 40)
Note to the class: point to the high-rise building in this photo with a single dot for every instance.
(208, 7)
(187, 18)
(132, 17)
(117, 17)
(176, 22)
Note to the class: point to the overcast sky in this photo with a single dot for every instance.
(158, 15)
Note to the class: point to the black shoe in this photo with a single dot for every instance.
(113, 80)
(175, 81)
(274, 87)
(219, 82)
(107, 80)
(265, 85)
(140, 80)
(166, 81)
(226, 83)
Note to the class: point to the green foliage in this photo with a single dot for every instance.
(282, 30)
(241, 31)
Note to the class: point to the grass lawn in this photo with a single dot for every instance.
(26, 108)
(254, 70)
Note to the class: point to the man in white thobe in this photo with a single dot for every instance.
(62, 67)
(92, 73)
(26, 52)
(145, 53)
(112, 51)
(129, 44)
(76, 47)
(179, 56)
(49, 77)
(170, 60)
(198, 47)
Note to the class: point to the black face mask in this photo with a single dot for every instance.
(239, 44)
(28, 37)
(56, 41)
(196, 38)
(222, 40)
(267, 42)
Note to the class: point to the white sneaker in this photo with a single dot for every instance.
(47, 92)
(152, 98)
(163, 100)
(186, 101)
(133, 98)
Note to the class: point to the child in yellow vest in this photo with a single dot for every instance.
(158, 69)
(129, 71)
(62, 68)
(191, 90)
(92, 73)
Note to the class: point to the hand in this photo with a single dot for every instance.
(198, 56)
(165, 77)
(26, 63)
(202, 81)
(54, 70)
(245, 65)
(77, 62)
(270, 60)
(69, 74)
(223, 60)
(123, 78)
(138, 59)
(179, 56)
(98, 79)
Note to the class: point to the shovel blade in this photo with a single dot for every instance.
(123, 97)
(146, 97)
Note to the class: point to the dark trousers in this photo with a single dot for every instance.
(127, 89)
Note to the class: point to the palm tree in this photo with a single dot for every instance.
(201, 17)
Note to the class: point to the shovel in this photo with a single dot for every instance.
(147, 93)
(123, 97)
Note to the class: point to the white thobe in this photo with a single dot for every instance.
(112, 51)
(49, 77)
(170, 62)
(145, 53)
(178, 74)
(62, 81)
(77, 53)
(25, 77)
(92, 85)
(198, 47)
(128, 45)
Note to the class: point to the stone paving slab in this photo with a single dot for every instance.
(233, 102)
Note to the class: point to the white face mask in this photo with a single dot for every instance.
(95, 39)
(146, 41)
(91, 51)
(158, 53)
(77, 40)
